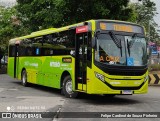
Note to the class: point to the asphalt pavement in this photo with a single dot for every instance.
(16, 98)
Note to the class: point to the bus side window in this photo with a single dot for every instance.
(71, 37)
(37, 44)
(21, 50)
(47, 39)
(71, 42)
(11, 51)
(25, 48)
(64, 39)
(29, 51)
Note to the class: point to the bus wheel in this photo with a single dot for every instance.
(67, 88)
(24, 78)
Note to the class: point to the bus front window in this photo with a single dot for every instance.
(136, 50)
(107, 51)
(132, 49)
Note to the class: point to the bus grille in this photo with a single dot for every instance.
(126, 73)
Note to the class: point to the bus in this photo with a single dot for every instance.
(106, 57)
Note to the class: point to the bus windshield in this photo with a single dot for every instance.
(107, 51)
(137, 50)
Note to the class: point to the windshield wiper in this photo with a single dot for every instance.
(115, 39)
(121, 47)
(133, 40)
(134, 35)
(128, 47)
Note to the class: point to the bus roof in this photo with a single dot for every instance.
(45, 30)
(54, 30)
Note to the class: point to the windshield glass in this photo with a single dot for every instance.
(108, 52)
(128, 54)
(137, 50)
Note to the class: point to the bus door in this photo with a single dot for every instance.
(16, 59)
(81, 61)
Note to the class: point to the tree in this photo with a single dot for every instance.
(5, 23)
(144, 12)
(40, 14)
(10, 27)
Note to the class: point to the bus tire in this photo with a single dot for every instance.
(24, 78)
(67, 88)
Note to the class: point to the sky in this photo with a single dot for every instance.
(8, 2)
(156, 18)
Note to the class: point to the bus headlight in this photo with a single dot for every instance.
(145, 78)
(100, 77)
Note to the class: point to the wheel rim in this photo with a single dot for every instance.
(69, 87)
(24, 78)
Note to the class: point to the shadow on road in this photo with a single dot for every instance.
(88, 98)
(41, 88)
(103, 100)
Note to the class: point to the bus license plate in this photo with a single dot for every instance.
(126, 92)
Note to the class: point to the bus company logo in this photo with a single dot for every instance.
(64, 65)
(55, 64)
(26, 63)
(34, 64)
(30, 64)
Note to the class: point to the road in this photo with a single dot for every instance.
(16, 98)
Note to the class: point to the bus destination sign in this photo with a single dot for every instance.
(121, 27)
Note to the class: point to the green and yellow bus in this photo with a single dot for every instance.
(106, 57)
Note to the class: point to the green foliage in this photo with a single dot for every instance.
(40, 14)
(6, 30)
(146, 10)
(143, 14)
(154, 67)
(10, 27)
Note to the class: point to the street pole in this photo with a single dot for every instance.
(149, 31)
